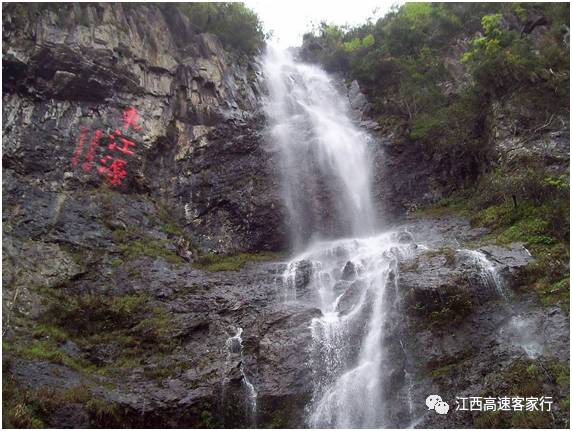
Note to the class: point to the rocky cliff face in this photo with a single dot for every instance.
(130, 143)
(110, 316)
(74, 70)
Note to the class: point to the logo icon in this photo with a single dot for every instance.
(434, 402)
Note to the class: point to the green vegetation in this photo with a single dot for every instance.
(29, 408)
(208, 420)
(134, 244)
(47, 350)
(529, 378)
(137, 326)
(424, 79)
(448, 367)
(528, 205)
(235, 24)
(215, 262)
(457, 306)
(132, 319)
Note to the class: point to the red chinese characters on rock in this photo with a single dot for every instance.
(111, 166)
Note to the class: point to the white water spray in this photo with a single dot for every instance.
(234, 347)
(487, 271)
(325, 162)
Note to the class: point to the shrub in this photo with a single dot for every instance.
(235, 24)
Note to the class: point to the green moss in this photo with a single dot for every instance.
(116, 262)
(128, 305)
(458, 306)
(556, 293)
(214, 262)
(48, 350)
(560, 371)
(207, 420)
(91, 313)
(448, 368)
(173, 229)
(50, 331)
(155, 329)
(528, 378)
(134, 243)
(103, 413)
(452, 205)
(147, 247)
(446, 252)
(494, 216)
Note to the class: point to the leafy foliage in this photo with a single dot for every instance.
(401, 61)
(234, 23)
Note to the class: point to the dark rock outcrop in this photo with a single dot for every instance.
(72, 70)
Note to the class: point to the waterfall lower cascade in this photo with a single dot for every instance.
(355, 282)
(234, 350)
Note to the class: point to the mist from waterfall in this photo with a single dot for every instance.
(326, 172)
(326, 177)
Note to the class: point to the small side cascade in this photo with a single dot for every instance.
(234, 354)
(488, 272)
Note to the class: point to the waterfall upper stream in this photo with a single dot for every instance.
(326, 169)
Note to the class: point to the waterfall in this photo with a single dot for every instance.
(489, 274)
(234, 349)
(325, 160)
(345, 268)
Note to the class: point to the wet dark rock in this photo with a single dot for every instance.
(357, 99)
(71, 415)
(350, 298)
(350, 271)
(303, 275)
(511, 260)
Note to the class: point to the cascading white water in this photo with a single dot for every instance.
(325, 159)
(234, 347)
(326, 176)
(349, 362)
(487, 271)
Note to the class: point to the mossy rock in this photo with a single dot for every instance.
(214, 262)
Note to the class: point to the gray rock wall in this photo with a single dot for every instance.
(75, 69)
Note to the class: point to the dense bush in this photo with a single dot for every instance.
(400, 62)
(234, 23)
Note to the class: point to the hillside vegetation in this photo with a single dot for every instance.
(447, 77)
